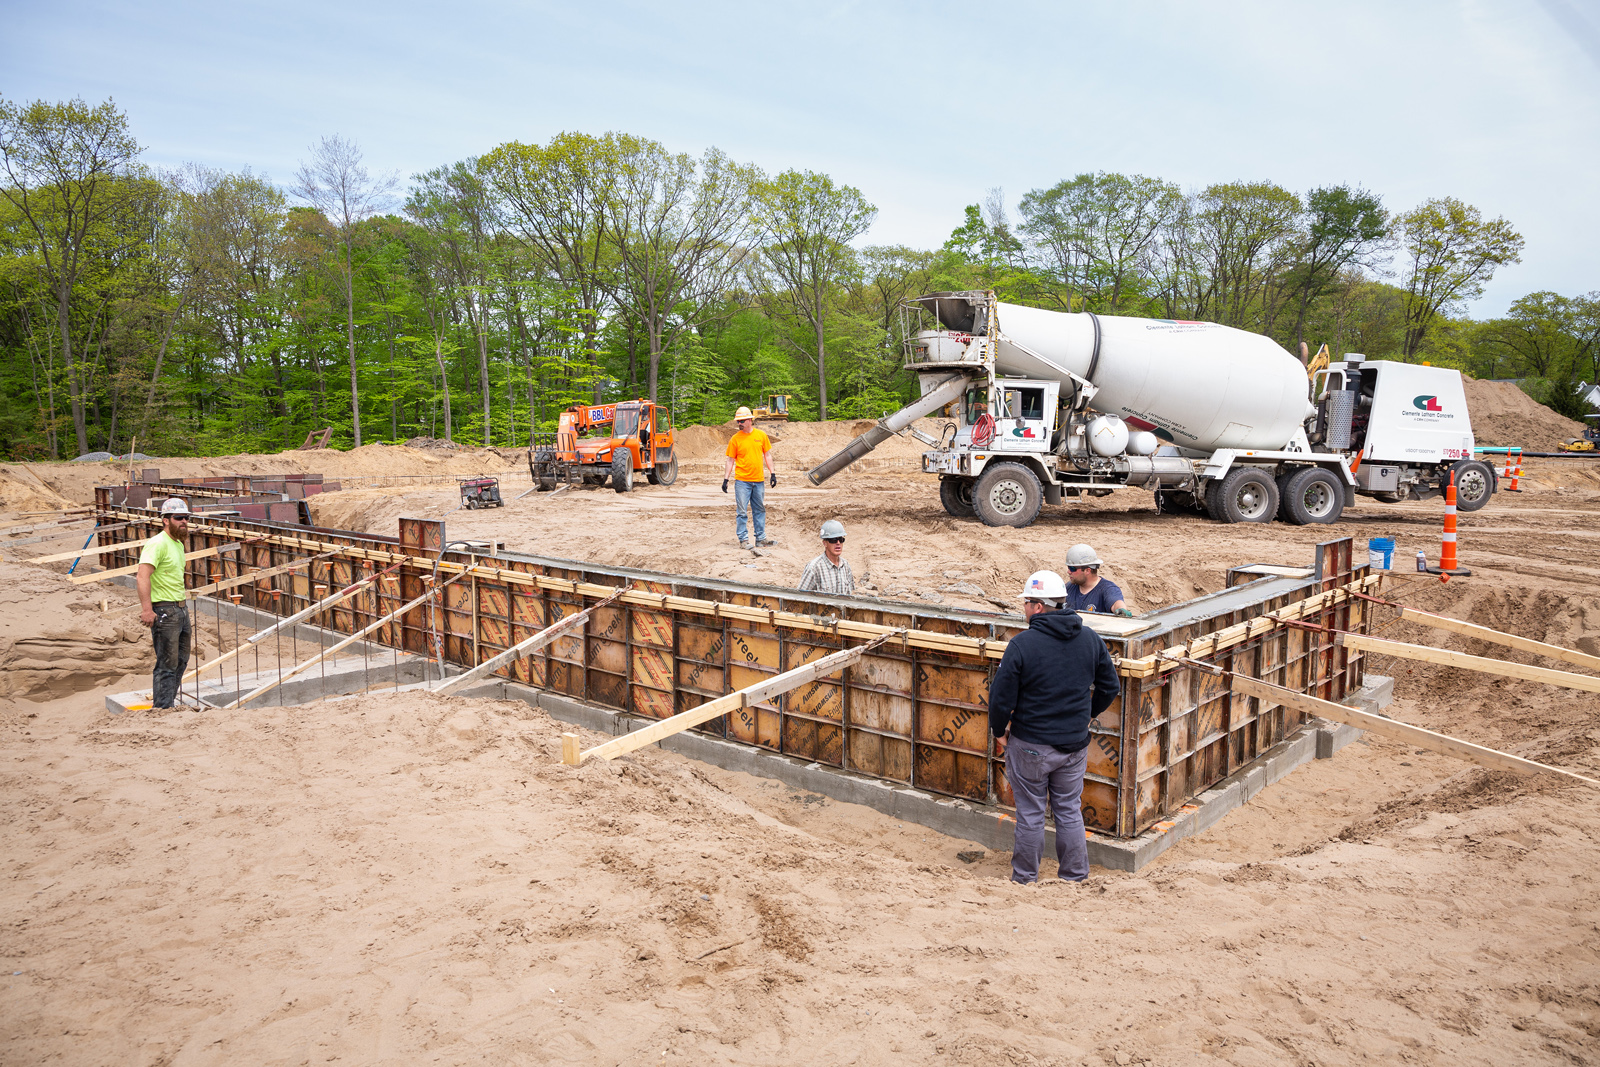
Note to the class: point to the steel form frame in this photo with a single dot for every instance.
(912, 713)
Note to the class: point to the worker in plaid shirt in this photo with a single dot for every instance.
(829, 573)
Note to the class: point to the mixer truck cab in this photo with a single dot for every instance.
(1048, 405)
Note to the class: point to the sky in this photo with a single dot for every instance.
(922, 106)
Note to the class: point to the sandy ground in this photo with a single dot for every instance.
(405, 879)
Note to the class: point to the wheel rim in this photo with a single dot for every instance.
(1317, 499)
(1471, 485)
(1251, 500)
(1007, 497)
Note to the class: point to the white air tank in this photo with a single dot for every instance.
(1108, 435)
(1196, 384)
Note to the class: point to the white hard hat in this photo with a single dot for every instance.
(832, 528)
(175, 505)
(743, 413)
(1044, 585)
(1082, 556)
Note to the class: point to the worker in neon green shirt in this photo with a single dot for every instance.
(161, 596)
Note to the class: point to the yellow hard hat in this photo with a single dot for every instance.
(742, 414)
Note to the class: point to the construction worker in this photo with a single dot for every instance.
(1089, 591)
(829, 573)
(1054, 677)
(750, 468)
(161, 596)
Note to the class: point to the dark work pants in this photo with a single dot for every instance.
(1041, 776)
(171, 636)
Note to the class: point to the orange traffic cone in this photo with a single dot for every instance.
(1447, 544)
(1513, 472)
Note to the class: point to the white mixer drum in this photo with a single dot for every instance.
(1197, 385)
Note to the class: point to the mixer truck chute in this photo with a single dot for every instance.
(1049, 405)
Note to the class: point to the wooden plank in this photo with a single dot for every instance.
(525, 647)
(1484, 633)
(327, 602)
(1411, 735)
(1446, 658)
(95, 551)
(204, 553)
(744, 698)
(256, 576)
(352, 639)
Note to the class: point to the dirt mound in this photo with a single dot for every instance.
(1504, 416)
(23, 490)
(805, 444)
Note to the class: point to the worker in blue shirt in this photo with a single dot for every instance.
(1086, 590)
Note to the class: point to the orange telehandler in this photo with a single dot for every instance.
(594, 442)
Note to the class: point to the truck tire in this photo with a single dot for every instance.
(1474, 484)
(665, 473)
(1245, 494)
(622, 471)
(956, 496)
(1007, 494)
(1311, 495)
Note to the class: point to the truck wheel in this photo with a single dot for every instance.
(622, 471)
(1007, 494)
(1474, 485)
(1311, 495)
(665, 473)
(1245, 494)
(956, 496)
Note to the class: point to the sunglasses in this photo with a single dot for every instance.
(1074, 570)
(834, 540)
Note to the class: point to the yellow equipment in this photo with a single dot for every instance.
(776, 410)
(1588, 442)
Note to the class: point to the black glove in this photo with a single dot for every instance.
(724, 485)
(772, 479)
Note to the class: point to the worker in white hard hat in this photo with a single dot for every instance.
(751, 471)
(829, 573)
(1089, 591)
(1054, 678)
(162, 601)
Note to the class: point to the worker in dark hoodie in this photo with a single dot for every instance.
(1054, 678)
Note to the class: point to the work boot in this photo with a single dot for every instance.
(765, 542)
(747, 544)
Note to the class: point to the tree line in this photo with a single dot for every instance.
(199, 311)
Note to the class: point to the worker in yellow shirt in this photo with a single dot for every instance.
(164, 603)
(750, 469)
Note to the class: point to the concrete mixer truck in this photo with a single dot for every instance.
(1050, 405)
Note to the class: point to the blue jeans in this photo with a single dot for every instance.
(751, 496)
(170, 633)
(1039, 774)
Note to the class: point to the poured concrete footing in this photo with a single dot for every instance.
(991, 827)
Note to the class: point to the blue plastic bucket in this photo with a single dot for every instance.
(1380, 552)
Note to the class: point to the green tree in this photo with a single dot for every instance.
(1450, 253)
(807, 222)
(1094, 234)
(63, 162)
(1344, 228)
(335, 183)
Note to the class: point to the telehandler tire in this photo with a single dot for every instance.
(1245, 494)
(1007, 494)
(1311, 495)
(664, 473)
(1474, 484)
(956, 496)
(622, 470)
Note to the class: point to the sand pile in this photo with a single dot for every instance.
(55, 640)
(805, 444)
(23, 490)
(1504, 416)
(77, 481)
